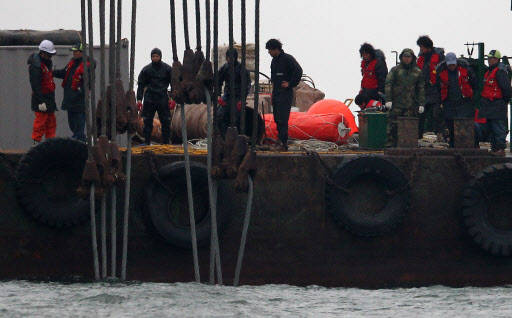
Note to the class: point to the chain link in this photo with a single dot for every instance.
(324, 169)
(150, 155)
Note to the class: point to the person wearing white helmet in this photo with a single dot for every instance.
(43, 91)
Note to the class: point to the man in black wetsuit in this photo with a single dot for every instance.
(155, 78)
(285, 75)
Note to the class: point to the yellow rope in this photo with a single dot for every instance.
(178, 149)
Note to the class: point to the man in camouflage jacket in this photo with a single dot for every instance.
(405, 94)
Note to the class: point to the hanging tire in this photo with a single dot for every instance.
(372, 198)
(167, 204)
(47, 178)
(487, 209)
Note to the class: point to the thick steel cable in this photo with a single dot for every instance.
(198, 26)
(102, 68)
(118, 46)
(86, 80)
(104, 236)
(92, 74)
(173, 34)
(89, 142)
(189, 193)
(212, 189)
(256, 74)
(208, 30)
(129, 150)
(132, 45)
(185, 24)
(113, 91)
(126, 205)
(244, 232)
(103, 133)
(243, 79)
(232, 101)
(215, 63)
(93, 234)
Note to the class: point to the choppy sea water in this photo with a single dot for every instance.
(29, 299)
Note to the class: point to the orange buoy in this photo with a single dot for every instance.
(332, 106)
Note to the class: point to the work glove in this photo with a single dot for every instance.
(139, 106)
(421, 109)
(221, 102)
(42, 107)
(389, 104)
(172, 104)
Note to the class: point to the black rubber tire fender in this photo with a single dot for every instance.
(377, 199)
(47, 178)
(167, 205)
(487, 209)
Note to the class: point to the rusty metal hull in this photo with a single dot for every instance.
(291, 239)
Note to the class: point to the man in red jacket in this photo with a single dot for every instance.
(43, 91)
(74, 98)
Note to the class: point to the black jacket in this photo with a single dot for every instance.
(432, 94)
(73, 100)
(284, 67)
(497, 109)
(455, 105)
(224, 78)
(35, 74)
(155, 78)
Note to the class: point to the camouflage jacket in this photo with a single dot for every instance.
(405, 86)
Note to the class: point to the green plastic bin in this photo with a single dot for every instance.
(372, 130)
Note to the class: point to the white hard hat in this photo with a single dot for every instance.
(47, 46)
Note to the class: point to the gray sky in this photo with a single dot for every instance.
(324, 36)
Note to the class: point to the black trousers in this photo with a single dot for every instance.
(164, 114)
(437, 119)
(281, 106)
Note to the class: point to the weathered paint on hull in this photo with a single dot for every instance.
(291, 240)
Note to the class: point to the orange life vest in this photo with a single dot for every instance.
(491, 89)
(463, 78)
(372, 103)
(369, 80)
(434, 61)
(47, 84)
(77, 77)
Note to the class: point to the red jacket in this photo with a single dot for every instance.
(463, 76)
(47, 83)
(77, 77)
(491, 89)
(434, 61)
(369, 80)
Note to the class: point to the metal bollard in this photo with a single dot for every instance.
(464, 133)
(407, 132)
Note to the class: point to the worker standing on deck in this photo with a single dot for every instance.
(43, 91)
(428, 60)
(405, 94)
(155, 78)
(496, 94)
(224, 111)
(456, 82)
(374, 71)
(74, 98)
(285, 75)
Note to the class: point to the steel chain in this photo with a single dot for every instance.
(324, 169)
(150, 155)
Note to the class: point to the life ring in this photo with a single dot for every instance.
(370, 197)
(487, 209)
(47, 178)
(167, 204)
